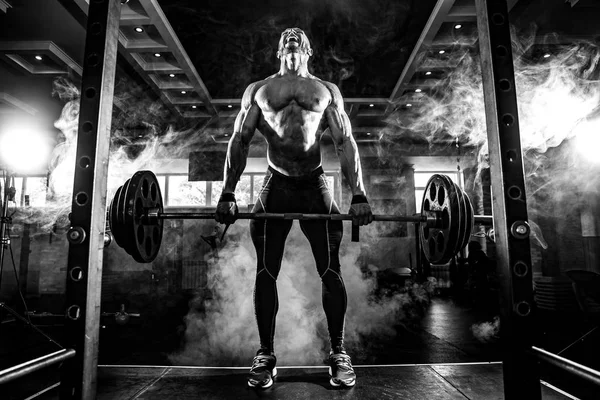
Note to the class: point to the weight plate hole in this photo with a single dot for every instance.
(445, 218)
(441, 195)
(155, 235)
(139, 208)
(431, 243)
(426, 233)
(145, 188)
(148, 247)
(432, 192)
(439, 239)
(140, 234)
(426, 205)
(153, 192)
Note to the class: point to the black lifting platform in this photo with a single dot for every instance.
(414, 382)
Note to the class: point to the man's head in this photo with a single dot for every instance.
(294, 47)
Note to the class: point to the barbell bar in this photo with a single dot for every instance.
(136, 218)
(429, 218)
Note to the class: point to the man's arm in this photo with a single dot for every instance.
(239, 144)
(343, 141)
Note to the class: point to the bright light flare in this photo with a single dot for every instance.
(587, 141)
(24, 149)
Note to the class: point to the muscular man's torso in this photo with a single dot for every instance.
(292, 108)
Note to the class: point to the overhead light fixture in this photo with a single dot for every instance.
(371, 105)
(229, 106)
(39, 58)
(139, 29)
(547, 55)
(428, 73)
(225, 135)
(194, 107)
(172, 75)
(457, 26)
(442, 51)
(368, 133)
(418, 90)
(408, 105)
(183, 92)
(156, 54)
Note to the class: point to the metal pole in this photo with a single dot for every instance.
(581, 371)
(86, 235)
(18, 371)
(521, 373)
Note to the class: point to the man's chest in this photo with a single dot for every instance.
(309, 94)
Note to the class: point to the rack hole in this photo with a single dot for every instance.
(81, 199)
(511, 155)
(498, 19)
(87, 127)
(508, 120)
(514, 192)
(93, 60)
(85, 162)
(501, 51)
(504, 85)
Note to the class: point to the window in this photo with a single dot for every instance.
(30, 190)
(421, 179)
(179, 192)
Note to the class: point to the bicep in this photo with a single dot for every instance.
(338, 123)
(246, 123)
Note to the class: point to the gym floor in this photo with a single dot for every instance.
(436, 357)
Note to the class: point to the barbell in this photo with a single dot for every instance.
(136, 217)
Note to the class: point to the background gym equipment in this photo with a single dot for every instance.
(446, 220)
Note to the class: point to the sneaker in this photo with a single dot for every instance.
(263, 370)
(341, 372)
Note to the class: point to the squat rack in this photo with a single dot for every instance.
(86, 236)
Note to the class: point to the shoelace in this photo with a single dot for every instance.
(342, 362)
(260, 361)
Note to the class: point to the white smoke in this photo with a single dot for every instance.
(487, 331)
(223, 331)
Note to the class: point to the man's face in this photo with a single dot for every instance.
(294, 40)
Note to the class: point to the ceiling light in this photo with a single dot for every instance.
(408, 105)
(371, 105)
(172, 75)
(39, 58)
(139, 29)
(547, 55)
(428, 73)
(368, 133)
(194, 107)
(442, 51)
(418, 90)
(183, 92)
(229, 106)
(457, 26)
(225, 135)
(156, 54)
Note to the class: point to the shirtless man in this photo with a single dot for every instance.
(292, 109)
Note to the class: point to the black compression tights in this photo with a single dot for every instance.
(281, 194)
